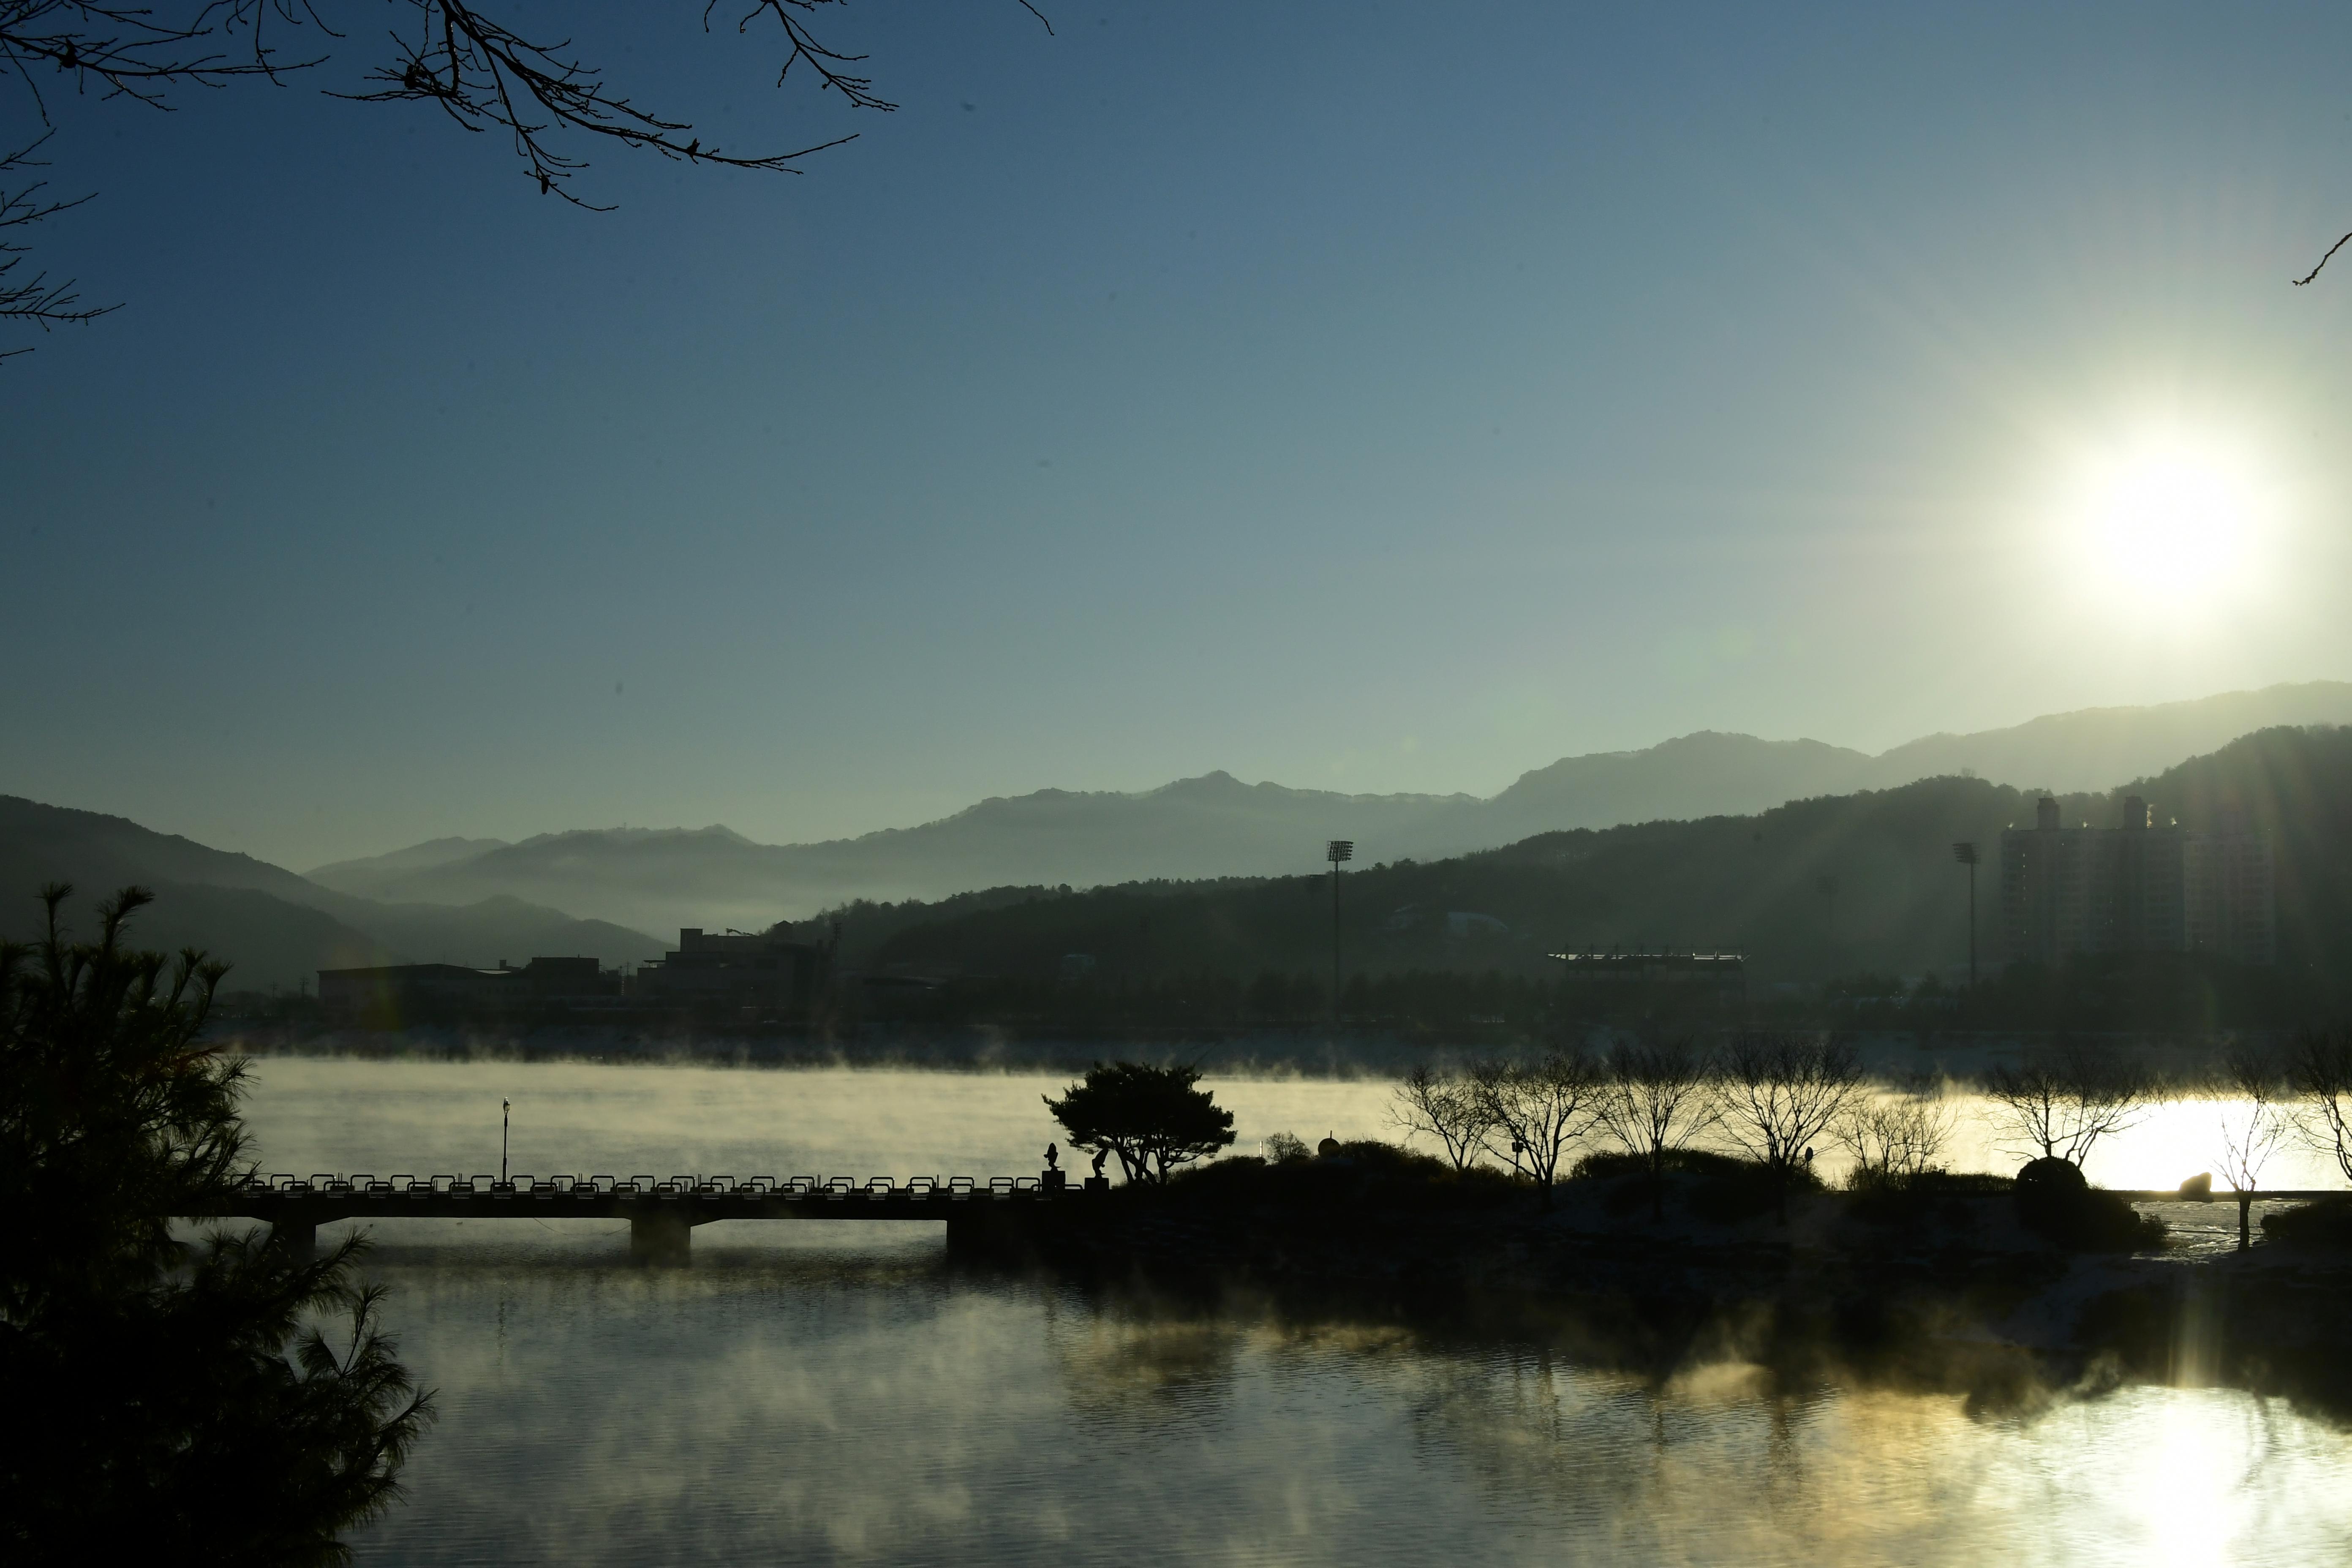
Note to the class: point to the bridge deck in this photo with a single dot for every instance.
(661, 1212)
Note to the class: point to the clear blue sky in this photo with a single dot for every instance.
(1368, 398)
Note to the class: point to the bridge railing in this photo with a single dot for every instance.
(559, 1189)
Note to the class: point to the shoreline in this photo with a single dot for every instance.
(1891, 1058)
(1933, 1291)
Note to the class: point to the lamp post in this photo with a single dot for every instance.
(506, 1118)
(1336, 852)
(1966, 854)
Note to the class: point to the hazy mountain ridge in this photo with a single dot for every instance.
(1215, 825)
(415, 857)
(1707, 773)
(278, 928)
(2090, 748)
(1206, 827)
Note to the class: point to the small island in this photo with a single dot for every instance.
(1613, 1235)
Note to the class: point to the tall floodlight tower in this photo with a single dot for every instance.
(1966, 854)
(1336, 852)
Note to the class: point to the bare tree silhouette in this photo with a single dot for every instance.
(1655, 1098)
(2319, 1073)
(1895, 1136)
(1777, 1094)
(1541, 1107)
(2058, 1104)
(2251, 1134)
(1446, 1107)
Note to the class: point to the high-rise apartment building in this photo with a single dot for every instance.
(2139, 888)
(2230, 893)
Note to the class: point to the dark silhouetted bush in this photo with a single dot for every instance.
(1363, 1177)
(2057, 1203)
(2328, 1223)
(1729, 1191)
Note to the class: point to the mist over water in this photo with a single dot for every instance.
(571, 1118)
(857, 1406)
(836, 1393)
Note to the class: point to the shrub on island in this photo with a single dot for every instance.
(1722, 1189)
(1362, 1174)
(2057, 1203)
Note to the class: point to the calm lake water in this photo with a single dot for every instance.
(834, 1392)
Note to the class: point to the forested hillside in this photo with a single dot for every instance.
(1836, 885)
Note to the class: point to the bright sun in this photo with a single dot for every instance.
(2172, 524)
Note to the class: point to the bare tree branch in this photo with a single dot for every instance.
(121, 51)
(483, 74)
(2324, 260)
(44, 304)
(2319, 1072)
(480, 72)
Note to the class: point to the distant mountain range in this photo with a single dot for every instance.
(1216, 825)
(474, 901)
(278, 928)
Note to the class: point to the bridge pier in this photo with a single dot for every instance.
(661, 1236)
(297, 1237)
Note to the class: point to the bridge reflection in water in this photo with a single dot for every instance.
(662, 1213)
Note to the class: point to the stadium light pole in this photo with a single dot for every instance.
(1966, 854)
(1336, 852)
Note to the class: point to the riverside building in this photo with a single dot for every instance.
(758, 973)
(2136, 888)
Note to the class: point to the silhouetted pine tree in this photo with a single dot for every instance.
(176, 1403)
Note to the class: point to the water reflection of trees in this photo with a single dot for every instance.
(1132, 1369)
(1730, 1454)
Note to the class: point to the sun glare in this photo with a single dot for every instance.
(2172, 524)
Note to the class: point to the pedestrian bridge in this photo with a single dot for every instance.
(662, 1212)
